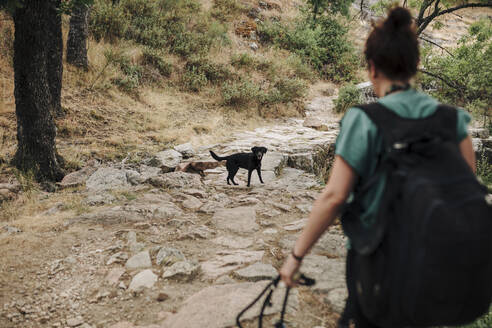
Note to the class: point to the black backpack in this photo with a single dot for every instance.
(427, 259)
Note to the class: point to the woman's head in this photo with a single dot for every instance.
(392, 47)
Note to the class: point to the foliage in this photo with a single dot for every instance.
(164, 24)
(324, 46)
(225, 10)
(239, 93)
(286, 90)
(486, 320)
(243, 60)
(463, 77)
(484, 172)
(215, 73)
(154, 58)
(194, 80)
(317, 7)
(348, 96)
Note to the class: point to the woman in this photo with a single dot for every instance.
(392, 56)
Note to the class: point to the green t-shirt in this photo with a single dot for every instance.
(359, 141)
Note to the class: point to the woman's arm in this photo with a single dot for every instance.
(466, 148)
(325, 209)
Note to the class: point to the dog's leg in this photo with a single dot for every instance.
(249, 176)
(258, 169)
(232, 174)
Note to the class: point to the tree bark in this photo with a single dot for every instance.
(77, 36)
(55, 53)
(36, 131)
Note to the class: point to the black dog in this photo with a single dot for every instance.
(250, 161)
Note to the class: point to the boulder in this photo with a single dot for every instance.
(179, 180)
(144, 279)
(166, 160)
(107, 179)
(314, 123)
(167, 211)
(228, 261)
(217, 306)
(256, 272)
(233, 241)
(77, 178)
(238, 219)
(168, 256)
(186, 150)
(192, 203)
(139, 261)
(184, 270)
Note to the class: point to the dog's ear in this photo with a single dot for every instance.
(265, 149)
(254, 149)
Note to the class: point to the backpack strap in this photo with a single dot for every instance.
(396, 129)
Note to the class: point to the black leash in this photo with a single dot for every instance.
(303, 280)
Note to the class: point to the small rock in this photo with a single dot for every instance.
(166, 160)
(195, 192)
(233, 242)
(74, 322)
(192, 203)
(139, 261)
(253, 46)
(224, 280)
(161, 297)
(186, 150)
(114, 275)
(168, 256)
(256, 272)
(270, 231)
(315, 123)
(296, 225)
(144, 279)
(336, 298)
(182, 270)
(119, 257)
(11, 230)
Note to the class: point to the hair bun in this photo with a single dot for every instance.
(398, 18)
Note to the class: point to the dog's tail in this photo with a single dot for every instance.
(217, 158)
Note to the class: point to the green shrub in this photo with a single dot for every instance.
(243, 60)
(194, 80)
(225, 10)
(465, 74)
(108, 22)
(215, 73)
(291, 88)
(484, 172)
(301, 69)
(348, 96)
(165, 24)
(153, 58)
(325, 45)
(240, 93)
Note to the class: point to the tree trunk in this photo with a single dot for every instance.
(77, 36)
(55, 56)
(36, 132)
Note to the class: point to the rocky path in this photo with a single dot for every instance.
(142, 245)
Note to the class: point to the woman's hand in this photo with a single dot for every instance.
(289, 269)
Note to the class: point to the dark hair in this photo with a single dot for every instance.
(393, 47)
